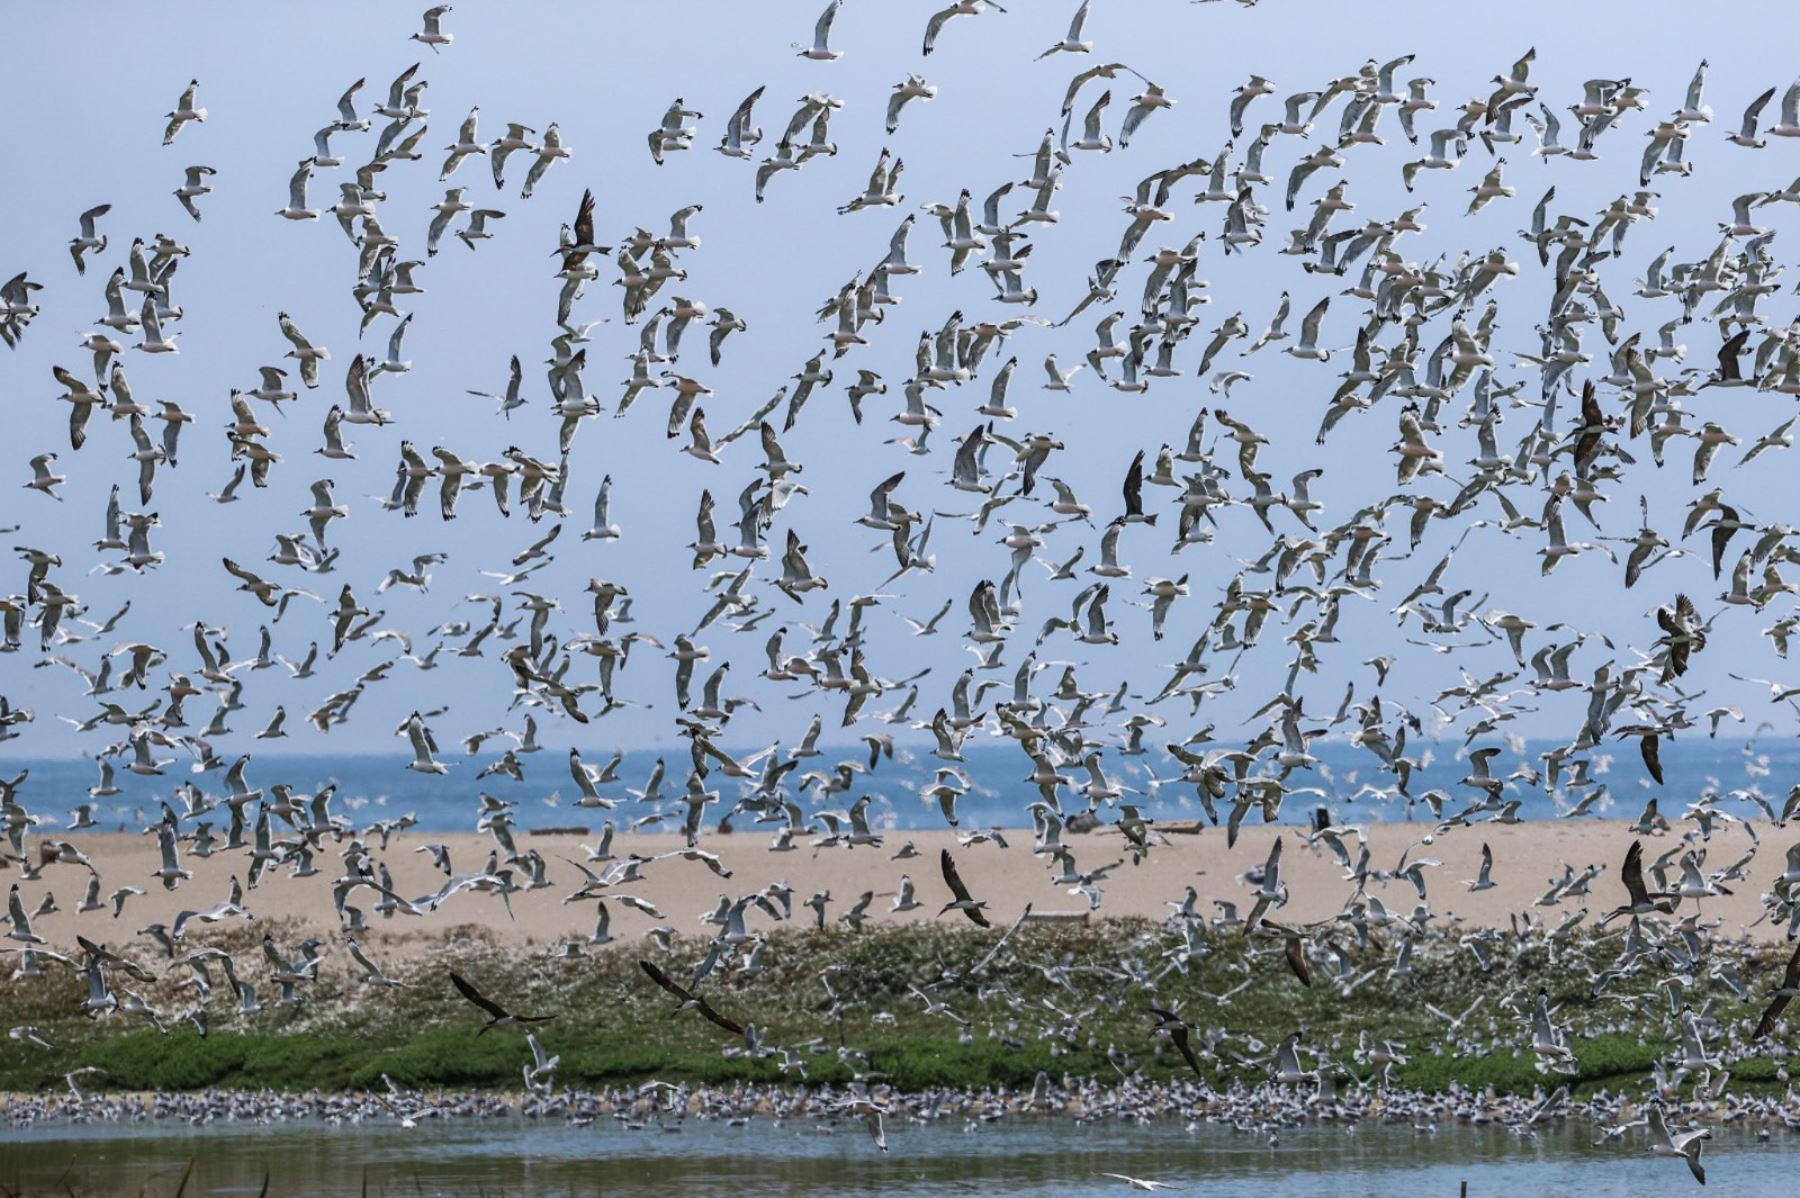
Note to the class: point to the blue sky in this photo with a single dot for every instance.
(270, 76)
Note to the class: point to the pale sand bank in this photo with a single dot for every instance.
(1526, 858)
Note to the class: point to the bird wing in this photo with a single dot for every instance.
(1134, 486)
(665, 981)
(473, 995)
(952, 879)
(1649, 747)
(822, 28)
(1766, 1025)
(700, 1004)
(584, 219)
(1754, 111)
(1632, 873)
(1296, 960)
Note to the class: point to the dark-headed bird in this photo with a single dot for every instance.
(498, 1016)
(962, 902)
(689, 1000)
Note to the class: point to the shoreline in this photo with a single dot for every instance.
(922, 1001)
(682, 890)
(1129, 1099)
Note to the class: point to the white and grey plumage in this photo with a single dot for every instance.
(913, 87)
(1686, 1145)
(468, 143)
(194, 186)
(512, 397)
(740, 135)
(958, 8)
(185, 110)
(549, 151)
(433, 34)
(602, 529)
(89, 239)
(296, 206)
(820, 50)
(1072, 42)
(308, 355)
(423, 746)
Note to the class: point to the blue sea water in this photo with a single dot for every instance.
(371, 788)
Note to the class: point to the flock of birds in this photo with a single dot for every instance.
(1264, 1111)
(1595, 388)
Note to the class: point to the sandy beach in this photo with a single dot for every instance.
(1527, 859)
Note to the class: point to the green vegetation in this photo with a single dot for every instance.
(1059, 998)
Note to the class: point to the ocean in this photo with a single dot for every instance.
(1347, 780)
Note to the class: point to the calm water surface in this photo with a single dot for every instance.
(371, 788)
(805, 1157)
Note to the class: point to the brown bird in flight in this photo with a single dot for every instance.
(962, 902)
(1178, 1029)
(689, 1000)
(1782, 996)
(498, 1016)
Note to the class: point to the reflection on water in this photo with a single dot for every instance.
(710, 1158)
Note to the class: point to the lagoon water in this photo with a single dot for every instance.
(1020, 1157)
(378, 787)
